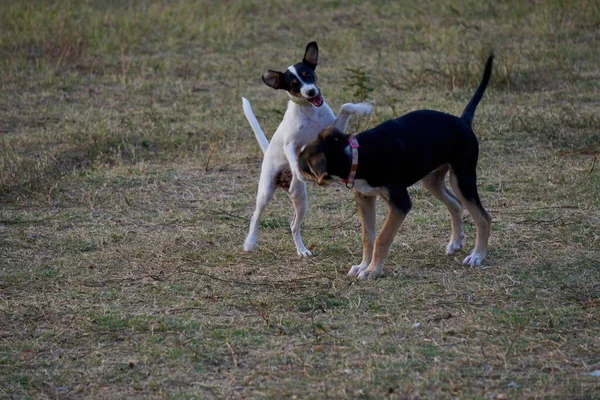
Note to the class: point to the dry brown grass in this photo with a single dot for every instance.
(128, 174)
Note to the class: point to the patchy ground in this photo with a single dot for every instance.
(128, 175)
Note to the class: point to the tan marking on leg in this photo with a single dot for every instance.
(383, 243)
(434, 182)
(367, 214)
(483, 223)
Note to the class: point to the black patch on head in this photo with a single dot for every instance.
(305, 70)
(293, 83)
(306, 73)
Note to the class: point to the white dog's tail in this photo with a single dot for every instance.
(258, 132)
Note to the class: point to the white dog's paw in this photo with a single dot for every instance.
(249, 245)
(373, 274)
(304, 252)
(355, 270)
(474, 259)
(363, 109)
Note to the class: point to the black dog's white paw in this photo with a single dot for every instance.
(372, 274)
(474, 259)
(355, 270)
(455, 245)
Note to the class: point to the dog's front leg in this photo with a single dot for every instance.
(398, 206)
(367, 214)
(346, 110)
(290, 149)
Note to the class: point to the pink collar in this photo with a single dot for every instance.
(349, 181)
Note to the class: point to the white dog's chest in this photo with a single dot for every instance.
(300, 125)
(304, 123)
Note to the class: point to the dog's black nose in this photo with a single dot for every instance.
(311, 92)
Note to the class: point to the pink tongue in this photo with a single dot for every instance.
(316, 101)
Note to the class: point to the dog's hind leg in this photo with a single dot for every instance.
(434, 182)
(367, 213)
(465, 187)
(266, 188)
(297, 193)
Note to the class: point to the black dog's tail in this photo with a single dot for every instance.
(469, 111)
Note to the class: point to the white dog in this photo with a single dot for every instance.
(307, 114)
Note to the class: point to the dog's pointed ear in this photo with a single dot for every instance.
(318, 166)
(273, 79)
(311, 55)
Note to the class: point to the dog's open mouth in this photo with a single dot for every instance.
(316, 101)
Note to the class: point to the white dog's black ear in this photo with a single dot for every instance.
(311, 55)
(273, 79)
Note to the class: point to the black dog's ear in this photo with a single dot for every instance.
(318, 166)
(273, 79)
(331, 131)
(311, 55)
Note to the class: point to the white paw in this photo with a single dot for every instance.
(304, 252)
(373, 274)
(474, 259)
(452, 247)
(249, 245)
(355, 270)
(363, 109)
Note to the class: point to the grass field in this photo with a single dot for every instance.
(128, 175)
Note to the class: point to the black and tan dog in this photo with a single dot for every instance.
(422, 145)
